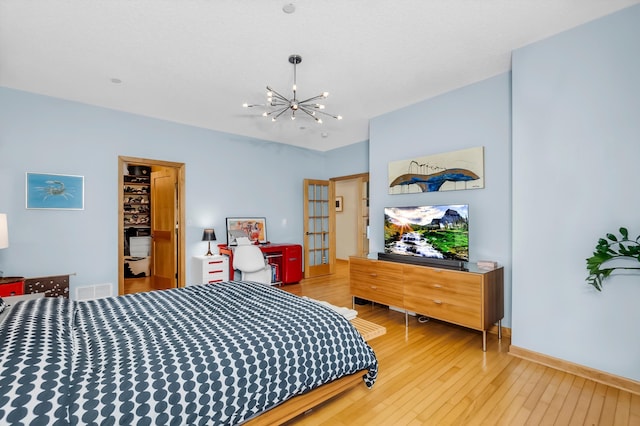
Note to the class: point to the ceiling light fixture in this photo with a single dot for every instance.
(277, 104)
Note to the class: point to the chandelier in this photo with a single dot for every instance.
(278, 104)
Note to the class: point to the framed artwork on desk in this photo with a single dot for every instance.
(254, 228)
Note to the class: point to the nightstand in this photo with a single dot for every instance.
(210, 269)
(11, 286)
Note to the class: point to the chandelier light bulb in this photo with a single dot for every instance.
(245, 105)
(339, 117)
(325, 94)
(320, 106)
(319, 120)
(264, 114)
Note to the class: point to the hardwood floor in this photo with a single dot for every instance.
(434, 373)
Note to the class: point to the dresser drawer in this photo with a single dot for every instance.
(378, 293)
(12, 289)
(376, 281)
(215, 277)
(213, 265)
(447, 295)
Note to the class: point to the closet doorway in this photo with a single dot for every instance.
(151, 231)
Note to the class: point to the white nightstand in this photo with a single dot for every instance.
(210, 269)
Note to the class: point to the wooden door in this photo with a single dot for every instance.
(164, 255)
(363, 216)
(319, 228)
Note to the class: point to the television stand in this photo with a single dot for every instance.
(472, 298)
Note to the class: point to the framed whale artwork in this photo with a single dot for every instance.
(451, 171)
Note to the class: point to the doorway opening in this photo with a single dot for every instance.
(321, 207)
(352, 216)
(151, 231)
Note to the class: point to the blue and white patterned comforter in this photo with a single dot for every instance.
(210, 354)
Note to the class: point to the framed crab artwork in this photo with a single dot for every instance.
(51, 191)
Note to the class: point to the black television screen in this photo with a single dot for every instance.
(437, 232)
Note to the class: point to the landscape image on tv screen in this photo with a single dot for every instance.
(438, 232)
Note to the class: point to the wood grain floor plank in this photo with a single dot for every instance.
(584, 401)
(609, 406)
(570, 402)
(517, 413)
(595, 406)
(623, 409)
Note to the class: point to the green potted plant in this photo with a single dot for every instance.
(609, 249)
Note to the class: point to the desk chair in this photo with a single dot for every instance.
(249, 260)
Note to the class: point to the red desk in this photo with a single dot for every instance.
(287, 259)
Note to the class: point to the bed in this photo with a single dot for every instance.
(206, 354)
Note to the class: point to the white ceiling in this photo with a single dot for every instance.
(196, 61)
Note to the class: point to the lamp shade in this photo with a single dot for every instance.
(209, 235)
(4, 231)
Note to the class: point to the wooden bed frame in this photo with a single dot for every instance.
(301, 403)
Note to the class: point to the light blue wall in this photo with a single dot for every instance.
(349, 160)
(226, 175)
(576, 151)
(476, 115)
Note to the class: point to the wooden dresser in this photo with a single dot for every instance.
(473, 298)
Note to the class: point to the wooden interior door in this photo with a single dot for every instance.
(164, 256)
(363, 216)
(319, 228)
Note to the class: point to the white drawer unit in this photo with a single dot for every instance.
(210, 269)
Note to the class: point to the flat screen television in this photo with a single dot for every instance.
(431, 232)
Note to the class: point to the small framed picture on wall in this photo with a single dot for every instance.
(339, 203)
(52, 191)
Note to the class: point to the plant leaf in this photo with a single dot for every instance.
(624, 232)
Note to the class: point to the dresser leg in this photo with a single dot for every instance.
(406, 319)
(500, 329)
(484, 340)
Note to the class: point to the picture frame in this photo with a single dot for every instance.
(254, 228)
(339, 203)
(449, 171)
(54, 191)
